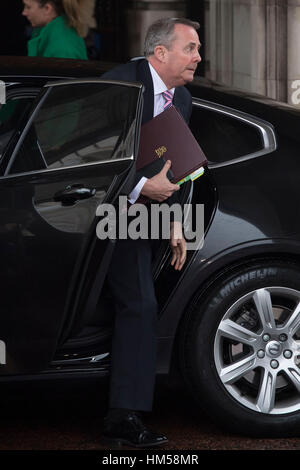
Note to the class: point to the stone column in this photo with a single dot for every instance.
(219, 40)
(249, 45)
(237, 43)
(226, 41)
(254, 45)
(258, 47)
(212, 38)
(207, 43)
(293, 54)
(242, 47)
(276, 49)
(139, 16)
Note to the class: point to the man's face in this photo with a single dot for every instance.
(36, 14)
(182, 58)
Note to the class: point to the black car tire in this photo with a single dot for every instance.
(202, 344)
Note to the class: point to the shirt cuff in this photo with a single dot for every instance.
(133, 196)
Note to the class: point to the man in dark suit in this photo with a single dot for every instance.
(171, 57)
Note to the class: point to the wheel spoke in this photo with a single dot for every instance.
(232, 330)
(263, 303)
(266, 396)
(259, 365)
(235, 371)
(293, 323)
(294, 377)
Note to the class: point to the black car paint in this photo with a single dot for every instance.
(65, 269)
(251, 213)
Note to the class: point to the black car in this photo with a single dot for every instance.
(229, 322)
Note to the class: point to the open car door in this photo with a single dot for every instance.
(76, 152)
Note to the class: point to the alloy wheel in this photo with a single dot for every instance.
(257, 350)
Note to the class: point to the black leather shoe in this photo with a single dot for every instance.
(132, 432)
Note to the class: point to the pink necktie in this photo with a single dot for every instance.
(168, 97)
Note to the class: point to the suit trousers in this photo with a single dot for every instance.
(134, 343)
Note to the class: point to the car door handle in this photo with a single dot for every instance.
(71, 194)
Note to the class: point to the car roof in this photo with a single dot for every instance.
(41, 69)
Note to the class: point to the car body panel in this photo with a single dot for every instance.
(249, 214)
(252, 218)
(37, 216)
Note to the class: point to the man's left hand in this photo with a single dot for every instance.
(178, 245)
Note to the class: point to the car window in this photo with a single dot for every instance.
(78, 124)
(11, 114)
(223, 137)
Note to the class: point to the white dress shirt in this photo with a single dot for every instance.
(158, 107)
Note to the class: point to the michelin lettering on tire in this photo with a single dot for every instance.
(249, 276)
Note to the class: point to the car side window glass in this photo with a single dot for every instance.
(11, 114)
(223, 137)
(79, 124)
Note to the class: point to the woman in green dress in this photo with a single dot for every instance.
(59, 27)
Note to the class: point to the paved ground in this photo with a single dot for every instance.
(72, 420)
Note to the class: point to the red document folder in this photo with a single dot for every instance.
(168, 137)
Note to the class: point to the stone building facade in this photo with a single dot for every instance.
(254, 45)
(248, 44)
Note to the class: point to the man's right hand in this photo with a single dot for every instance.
(159, 188)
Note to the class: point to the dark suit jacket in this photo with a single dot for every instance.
(139, 71)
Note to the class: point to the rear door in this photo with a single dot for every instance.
(76, 152)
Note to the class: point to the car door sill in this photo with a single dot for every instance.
(89, 346)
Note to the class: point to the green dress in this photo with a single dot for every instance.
(57, 39)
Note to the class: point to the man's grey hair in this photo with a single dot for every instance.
(161, 33)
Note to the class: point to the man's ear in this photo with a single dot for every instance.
(160, 53)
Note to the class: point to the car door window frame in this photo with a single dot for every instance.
(265, 129)
(16, 92)
(44, 92)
